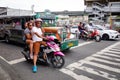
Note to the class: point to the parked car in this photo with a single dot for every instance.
(106, 33)
(74, 29)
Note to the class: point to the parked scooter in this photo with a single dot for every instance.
(90, 35)
(52, 52)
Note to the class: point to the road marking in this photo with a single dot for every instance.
(13, 61)
(112, 52)
(69, 70)
(105, 61)
(106, 57)
(74, 75)
(117, 50)
(110, 47)
(114, 55)
(116, 70)
(97, 72)
(4, 59)
(17, 61)
(82, 44)
(78, 65)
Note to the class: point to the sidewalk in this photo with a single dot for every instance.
(7, 72)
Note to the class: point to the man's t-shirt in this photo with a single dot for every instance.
(26, 31)
(34, 36)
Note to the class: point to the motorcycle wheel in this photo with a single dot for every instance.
(97, 38)
(58, 61)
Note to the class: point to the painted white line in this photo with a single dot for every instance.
(106, 57)
(16, 61)
(114, 55)
(74, 75)
(117, 50)
(13, 61)
(82, 44)
(73, 65)
(110, 47)
(105, 61)
(113, 52)
(4, 59)
(69, 70)
(97, 72)
(116, 70)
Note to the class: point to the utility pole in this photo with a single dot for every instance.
(32, 8)
(110, 16)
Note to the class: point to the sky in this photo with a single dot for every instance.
(41, 5)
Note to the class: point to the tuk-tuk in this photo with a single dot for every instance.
(63, 34)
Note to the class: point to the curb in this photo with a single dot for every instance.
(7, 72)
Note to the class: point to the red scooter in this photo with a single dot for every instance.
(90, 35)
(94, 35)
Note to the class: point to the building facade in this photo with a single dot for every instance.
(103, 10)
(8, 12)
(74, 16)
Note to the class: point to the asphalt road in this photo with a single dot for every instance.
(89, 61)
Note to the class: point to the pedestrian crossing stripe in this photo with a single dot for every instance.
(113, 55)
(106, 57)
(116, 70)
(74, 75)
(105, 61)
(104, 54)
(98, 72)
(118, 53)
(117, 50)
